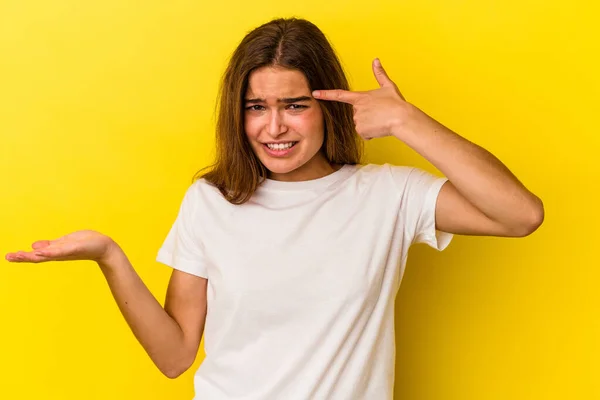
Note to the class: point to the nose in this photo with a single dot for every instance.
(276, 124)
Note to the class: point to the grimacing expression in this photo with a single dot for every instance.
(283, 122)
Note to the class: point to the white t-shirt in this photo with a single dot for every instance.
(302, 280)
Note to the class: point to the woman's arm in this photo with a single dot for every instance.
(482, 196)
(170, 335)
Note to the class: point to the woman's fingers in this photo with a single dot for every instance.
(25, 257)
(44, 250)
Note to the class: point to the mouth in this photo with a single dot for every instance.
(279, 149)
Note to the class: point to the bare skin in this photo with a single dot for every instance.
(482, 196)
(170, 335)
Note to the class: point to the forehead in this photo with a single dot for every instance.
(277, 82)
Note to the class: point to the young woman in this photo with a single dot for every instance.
(288, 253)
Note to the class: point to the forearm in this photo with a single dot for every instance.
(477, 174)
(158, 333)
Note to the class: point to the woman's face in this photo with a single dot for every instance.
(284, 124)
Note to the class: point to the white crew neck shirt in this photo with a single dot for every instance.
(302, 280)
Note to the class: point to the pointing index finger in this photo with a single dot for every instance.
(343, 96)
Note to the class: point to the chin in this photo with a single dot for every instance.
(281, 166)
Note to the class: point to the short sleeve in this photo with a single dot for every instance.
(181, 249)
(419, 193)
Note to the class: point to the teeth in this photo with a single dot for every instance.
(280, 146)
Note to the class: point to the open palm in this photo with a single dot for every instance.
(79, 245)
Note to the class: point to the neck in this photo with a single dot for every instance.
(316, 168)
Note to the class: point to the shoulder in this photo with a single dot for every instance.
(387, 171)
(402, 177)
(200, 186)
(201, 195)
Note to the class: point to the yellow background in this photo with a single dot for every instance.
(107, 110)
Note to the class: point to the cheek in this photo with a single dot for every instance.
(252, 127)
(310, 124)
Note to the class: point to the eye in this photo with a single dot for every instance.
(296, 107)
(255, 107)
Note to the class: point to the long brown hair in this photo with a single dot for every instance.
(289, 43)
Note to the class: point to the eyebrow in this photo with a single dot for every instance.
(286, 100)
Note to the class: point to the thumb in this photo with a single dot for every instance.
(40, 244)
(382, 77)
